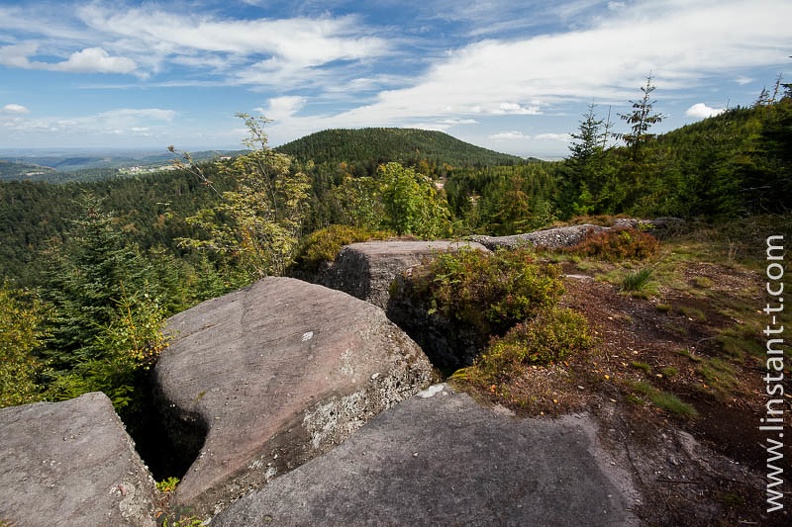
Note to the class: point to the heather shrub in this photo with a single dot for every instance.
(547, 338)
(617, 244)
(323, 246)
(490, 292)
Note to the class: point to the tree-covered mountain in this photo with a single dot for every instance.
(370, 147)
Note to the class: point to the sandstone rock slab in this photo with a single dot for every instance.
(366, 270)
(259, 381)
(71, 463)
(442, 459)
(554, 238)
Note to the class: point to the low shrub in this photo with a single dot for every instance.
(489, 291)
(323, 246)
(549, 337)
(616, 244)
(168, 484)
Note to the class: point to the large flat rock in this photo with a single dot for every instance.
(274, 375)
(71, 463)
(442, 459)
(366, 270)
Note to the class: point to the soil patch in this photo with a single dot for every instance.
(681, 412)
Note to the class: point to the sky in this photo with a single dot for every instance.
(513, 76)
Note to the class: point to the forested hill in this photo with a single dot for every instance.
(372, 146)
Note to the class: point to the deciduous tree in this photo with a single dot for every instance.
(258, 224)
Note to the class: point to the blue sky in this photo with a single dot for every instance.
(515, 76)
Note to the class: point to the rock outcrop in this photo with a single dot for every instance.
(71, 463)
(554, 238)
(366, 270)
(261, 380)
(560, 237)
(442, 459)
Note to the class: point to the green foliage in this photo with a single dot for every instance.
(86, 281)
(186, 521)
(21, 315)
(489, 292)
(257, 225)
(412, 203)
(168, 484)
(550, 337)
(359, 202)
(107, 317)
(503, 200)
(617, 244)
(323, 245)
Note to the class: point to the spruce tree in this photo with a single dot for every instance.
(641, 119)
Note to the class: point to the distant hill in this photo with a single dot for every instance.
(84, 165)
(371, 146)
(10, 170)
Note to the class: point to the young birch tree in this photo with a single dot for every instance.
(258, 225)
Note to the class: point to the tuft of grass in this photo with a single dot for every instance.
(690, 312)
(664, 400)
(741, 340)
(687, 353)
(637, 280)
(718, 375)
(664, 308)
(180, 517)
(702, 282)
(670, 402)
(646, 368)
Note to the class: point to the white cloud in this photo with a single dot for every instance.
(280, 108)
(742, 80)
(16, 55)
(272, 48)
(454, 122)
(95, 60)
(517, 135)
(702, 111)
(132, 114)
(608, 61)
(513, 108)
(509, 136)
(564, 138)
(89, 60)
(14, 109)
